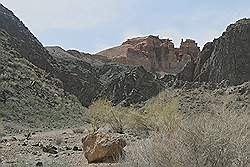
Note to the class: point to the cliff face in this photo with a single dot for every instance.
(229, 56)
(153, 53)
(226, 58)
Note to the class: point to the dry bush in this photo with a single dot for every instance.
(119, 118)
(200, 140)
(102, 113)
(154, 114)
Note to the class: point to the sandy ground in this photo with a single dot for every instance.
(18, 151)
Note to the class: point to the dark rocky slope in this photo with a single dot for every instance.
(29, 98)
(226, 58)
(23, 41)
(97, 79)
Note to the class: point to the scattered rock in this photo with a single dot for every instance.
(24, 144)
(50, 149)
(100, 147)
(39, 164)
(3, 140)
(13, 138)
(75, 148)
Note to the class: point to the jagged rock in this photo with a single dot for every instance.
(153, 53)
(100, 147)
(187, 72)
(131, 87)
(96, 79)
(226, 58)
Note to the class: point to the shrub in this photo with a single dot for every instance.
(102, 113)
(155, 113)
(200, 140)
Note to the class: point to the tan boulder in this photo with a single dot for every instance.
(102, 147)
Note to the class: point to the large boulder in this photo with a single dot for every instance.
(101, 147)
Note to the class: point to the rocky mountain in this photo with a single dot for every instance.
(153, 53)
(226, 58)
(119, 83)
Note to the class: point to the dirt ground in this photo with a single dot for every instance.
(19, 151)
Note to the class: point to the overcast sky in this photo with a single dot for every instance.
(92, 25)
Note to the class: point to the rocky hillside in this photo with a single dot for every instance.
(29, 97)
(153, 53)
(226, 58)
(23, 41)
(119, 83)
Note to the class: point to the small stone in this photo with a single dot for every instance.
(75, 148)
(50, 149)
(39, 164)
(24, 144)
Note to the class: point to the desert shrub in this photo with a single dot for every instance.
(102, 113)
(154, 114)
(200, 140)
(119, 118)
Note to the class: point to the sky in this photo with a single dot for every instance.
(94, 25)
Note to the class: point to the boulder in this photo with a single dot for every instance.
(100, 147)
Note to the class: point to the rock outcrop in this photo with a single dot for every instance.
(100, 147)
(153, 53)
(119, 83)
(226, 58)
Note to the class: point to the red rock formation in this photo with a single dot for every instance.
(153, 53)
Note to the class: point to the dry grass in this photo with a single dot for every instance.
(102, 113)
(211, 139)
(119, 118)
(199, 140)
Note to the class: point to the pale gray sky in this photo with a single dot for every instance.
(92, 25)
